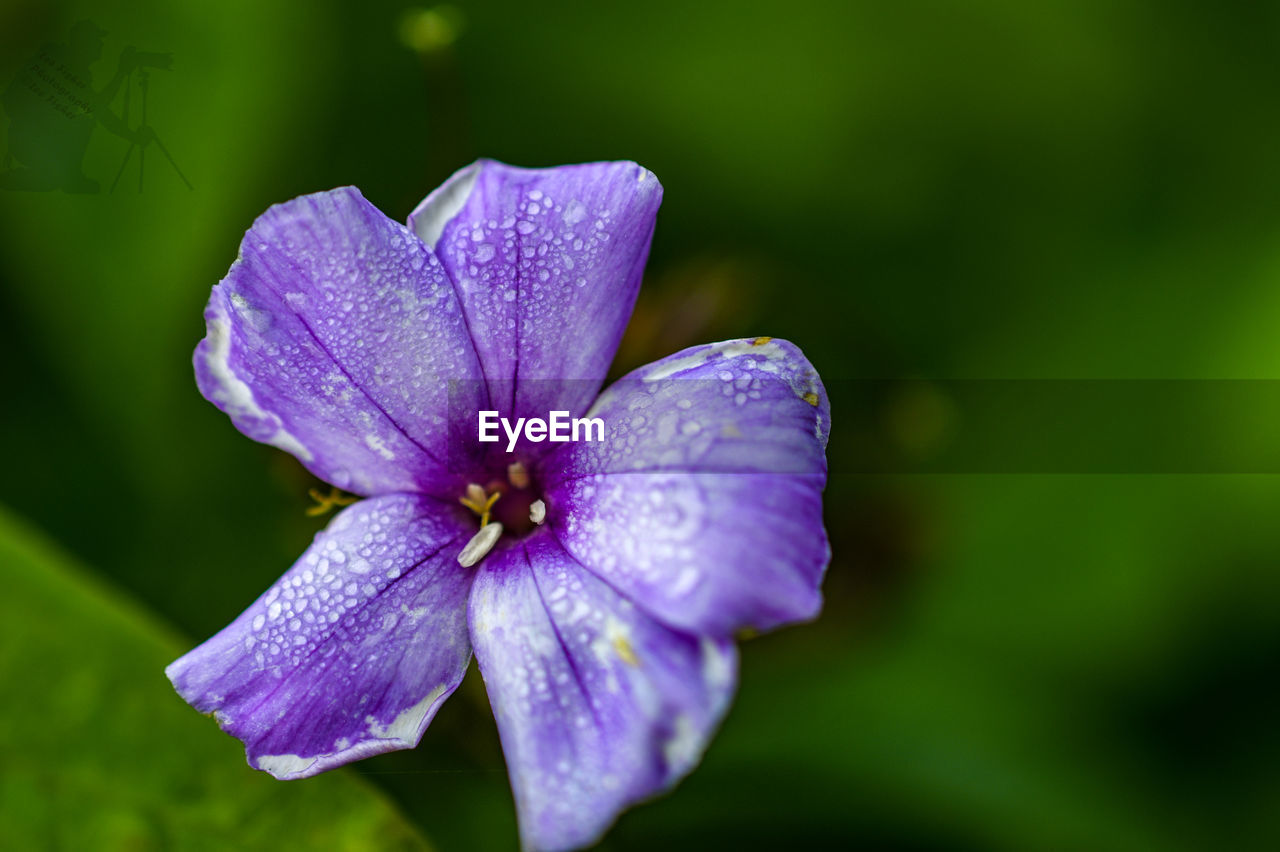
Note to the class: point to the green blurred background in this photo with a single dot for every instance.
(1027, 655)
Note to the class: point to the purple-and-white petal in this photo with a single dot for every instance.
(548, 263)
(704, 502)
(352, 651)
(598, 704)
(335, 336)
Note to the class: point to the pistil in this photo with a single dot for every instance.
(478, 502)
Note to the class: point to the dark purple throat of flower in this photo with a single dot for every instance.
(509, 503)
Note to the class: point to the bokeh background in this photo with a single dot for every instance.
(1044, 648)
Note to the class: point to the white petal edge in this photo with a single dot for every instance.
(429, 218)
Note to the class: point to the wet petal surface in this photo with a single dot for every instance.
(548, 263)
(704, 502)
(598, 705)
(351, 652)
(335, 336)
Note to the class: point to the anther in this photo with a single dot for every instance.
(480, 545)
(517, 475)
(537, 511)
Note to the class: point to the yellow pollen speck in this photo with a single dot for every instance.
(623, 647)
(761, 341)
(811, 398)
(325, 502)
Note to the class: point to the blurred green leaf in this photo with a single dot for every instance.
(98, 752)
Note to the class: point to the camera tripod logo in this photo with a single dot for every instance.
(53, 110)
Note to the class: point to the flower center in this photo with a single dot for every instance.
(509, 505)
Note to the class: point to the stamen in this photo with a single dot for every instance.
(537, 511)
(325, 502)
(480, 545)
(517, 475)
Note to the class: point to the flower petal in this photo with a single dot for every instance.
(351, 652)
(334, 337)
(704, 502)
(548, 263)
(598, 705)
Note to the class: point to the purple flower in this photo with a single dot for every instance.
(599, 583)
